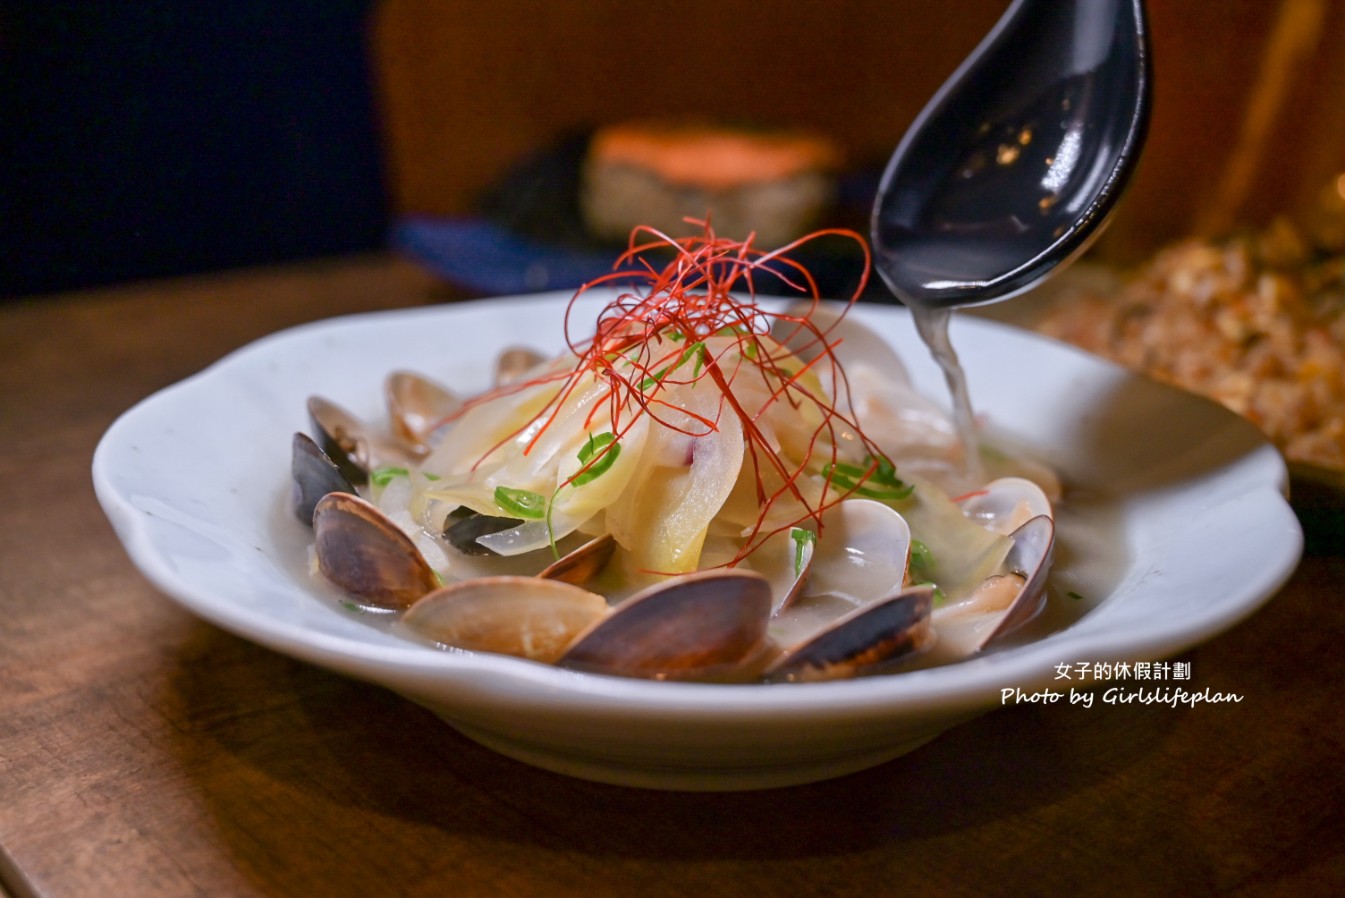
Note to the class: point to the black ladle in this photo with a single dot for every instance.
(1011, 170)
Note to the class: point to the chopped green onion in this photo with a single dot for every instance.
(595, 443)
(381, 477)
(609, 448)
(653, 379)
(521, 503)
(850, 477)
(1074, 595)
(886, 474)
(922, 560)
(696, 349)
(886, 495)
(801, 538)
(849, 472)
(939, 595)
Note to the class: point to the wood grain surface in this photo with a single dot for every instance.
(146, 753)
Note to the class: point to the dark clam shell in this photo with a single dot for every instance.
(315, 475)
(582, 564)
(343, 437)
(1030, 558)
(697, 626)
(464, 526)
(868, 640)
(367, 556)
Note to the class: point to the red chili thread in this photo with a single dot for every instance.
(707, 289)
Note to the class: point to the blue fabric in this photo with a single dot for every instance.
(484, 257)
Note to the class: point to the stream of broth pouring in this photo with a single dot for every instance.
(932, 325)
(1090, 554)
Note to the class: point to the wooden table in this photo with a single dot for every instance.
(145, 753)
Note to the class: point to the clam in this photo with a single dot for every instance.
(1030, 560)
(315, 475)
(583, 563)
(526, 617)
(695, 626)
(785, 559)
(418, 406)
(867, 640)
(1004, 601)
(1006, 504)
(463, 530)
(354, 445)
(513, 363)
(863, 554)
(366, 555)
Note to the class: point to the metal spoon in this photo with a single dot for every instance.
(1011, 170)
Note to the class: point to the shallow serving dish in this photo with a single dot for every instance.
(1185, 504)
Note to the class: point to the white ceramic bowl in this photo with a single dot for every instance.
(195, 481)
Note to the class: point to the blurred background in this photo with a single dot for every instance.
(151, 138)
(144, 138)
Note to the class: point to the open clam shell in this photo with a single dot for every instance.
(1030, 559)
(863, 554)
(1004, 601)
(366, 555)
(356, 446)
(417, 406)
(1006, 504)
(514, 363)
(785, 561)
(583, 563)
(315, 475)
(343, 437)
(867, 640)
(527, 617)
(691, 627)
(463, 531)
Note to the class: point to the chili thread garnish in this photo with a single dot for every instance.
(661, 318)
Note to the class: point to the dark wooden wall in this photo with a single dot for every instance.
(1249, 117)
